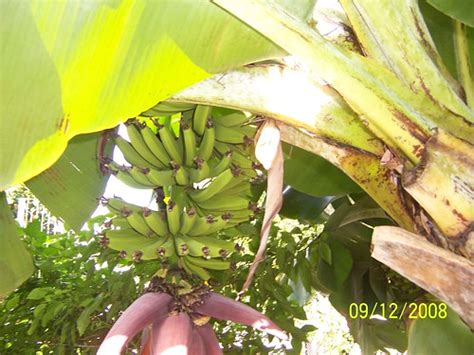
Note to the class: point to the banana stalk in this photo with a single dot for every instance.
(403, 119)
(443, 185)
(405, 47)
(463, 62)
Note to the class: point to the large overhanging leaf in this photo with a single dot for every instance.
(314, 175)
(82, 66)
(15, 261)
(461, 10)
(71, 187)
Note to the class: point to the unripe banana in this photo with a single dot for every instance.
(192, 246)
(201, 114)
(161, 177)
(119, 223)
(194, 269)
(181, 247)
(237, 156)
(138, 143)
(223, 164)
(157, 221)
(116, 204)
(137, 222)
(213, 264)
(213, 188)
(155, 145)
(217, 247)
(214, 225)
(174, 106)
(140, 175)
(170, 143)
(243, 189)
(187, 220)
(201, 225)
(189, 140)
(130, 154)
(128, 235)
(224, 203)
(123, 175)
(229, 135)
(235, 119)
(166, 108)
(180, 174)
(167, 249)
(207, 143)
(173, 216)
(203, 171)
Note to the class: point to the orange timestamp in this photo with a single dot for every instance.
(412, 310)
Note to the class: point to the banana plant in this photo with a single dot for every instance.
(377, 101)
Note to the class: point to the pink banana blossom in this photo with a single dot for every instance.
(174, 324)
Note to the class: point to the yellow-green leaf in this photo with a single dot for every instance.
(15, 261)
(83, 66)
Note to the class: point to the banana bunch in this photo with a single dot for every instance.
(177, 234)
(205, 147)
(209, 177)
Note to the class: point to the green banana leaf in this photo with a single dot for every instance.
(71, 187)
(313, 175)
(16, 264)
(74, 67)
(440, 334)
(461, 10)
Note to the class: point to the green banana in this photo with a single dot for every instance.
(213, 188)
(243, 189)
(229, 135)
(192, 246)
(125, 234)
(181, 176)
(201, 225)
(201, 114)
(223, 164)
(161, 177)
(119, 222)
(174, 106)
(213, 226)
(237, 157)
(123, 175)
(213, 264)
(187, 220)
(140, 175)
(207, 247)
(137, 222)
(173, 216)
(167, 249)
(156, 221)
(181, 247)
(170, 143)
(224, 203)
(130, 154)
(138, 143)
(155, 145)
(116, 204)
(194, 269)
(207, 143)
(217, 247)
(166, 108)
(235, 119)
(203, 171)
(134, 243)
(189, 140)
